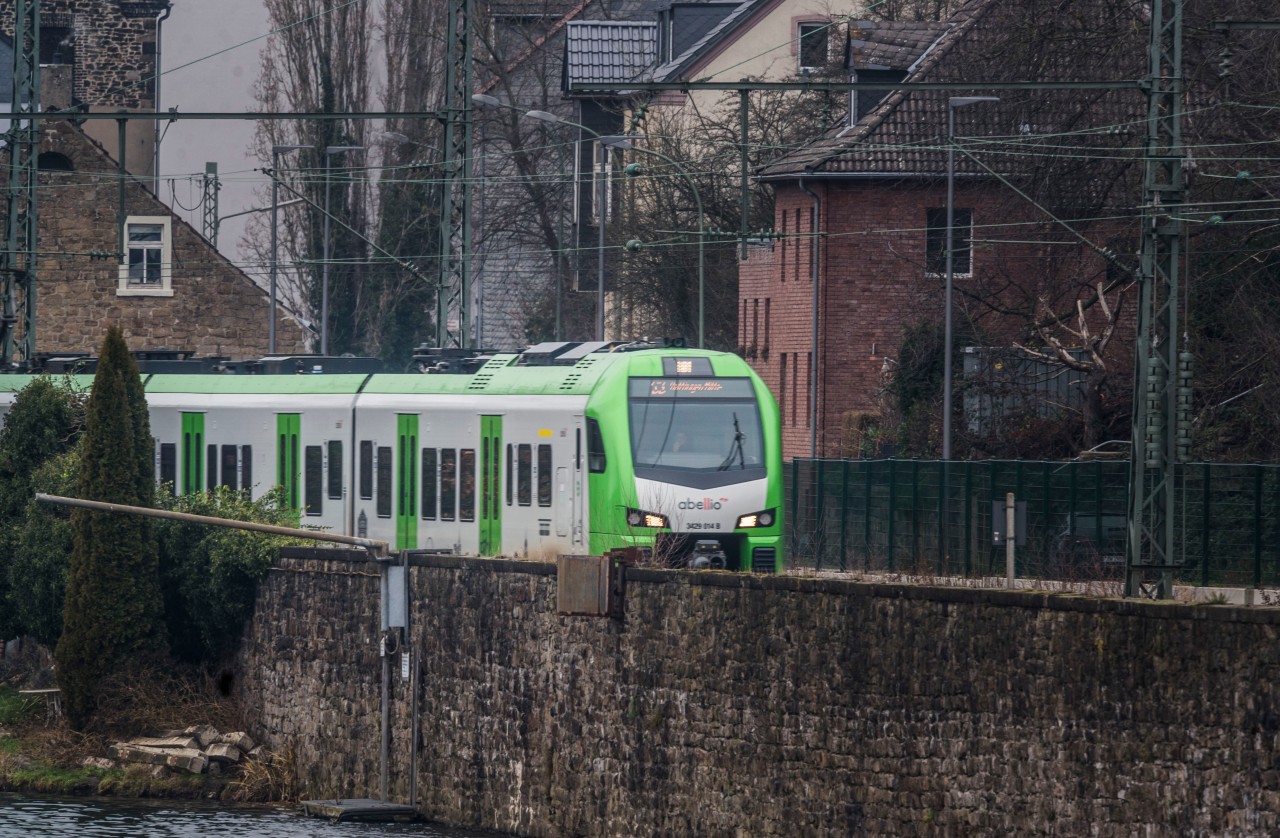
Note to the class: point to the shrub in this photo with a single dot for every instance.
(210, 574)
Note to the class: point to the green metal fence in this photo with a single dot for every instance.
(892, 515)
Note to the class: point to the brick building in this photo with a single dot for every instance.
(868, 201)
(108, 254)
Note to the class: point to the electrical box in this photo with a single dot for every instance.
(589, 586)
(998, 523)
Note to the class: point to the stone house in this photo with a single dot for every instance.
(110, 252)
(832, 308)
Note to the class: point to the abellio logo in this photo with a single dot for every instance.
(705, 503)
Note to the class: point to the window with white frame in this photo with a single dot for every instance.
(147, 269)
(961, 241)
(815, 39)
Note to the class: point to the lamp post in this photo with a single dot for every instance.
(329, 151)
(601, 209)
(276, 151)
(625, 144)
(952, 103)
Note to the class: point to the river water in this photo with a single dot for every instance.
(98, 817)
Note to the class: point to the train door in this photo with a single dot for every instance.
(192, 453)
(490, 485)
(406, 481)
(577, 490)
(288, 429)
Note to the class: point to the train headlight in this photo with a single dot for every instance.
(639, 518)
(764, 518)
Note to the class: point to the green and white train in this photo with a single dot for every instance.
(565, 448)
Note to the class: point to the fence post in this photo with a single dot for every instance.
(968, 517)
(942, 515)
(794, 518)
(1257, 527)
(915, 514)
(819, 512)
(1010, 537)
(844, 508)
(1204, 529)
(866, 515)
(893, 504)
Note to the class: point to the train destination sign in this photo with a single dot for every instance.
(691, 388)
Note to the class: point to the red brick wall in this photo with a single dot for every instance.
(873, 284)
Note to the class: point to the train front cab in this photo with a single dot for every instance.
(700, 446)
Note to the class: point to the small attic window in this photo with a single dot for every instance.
(815, 39)
(52, 161)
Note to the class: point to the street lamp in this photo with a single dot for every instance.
(625, 144)
(329, 151)
(276, 151)
(952, 103)
(601, 209)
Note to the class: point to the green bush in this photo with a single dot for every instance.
(45, 422)
(210, 574)
(38, 564)
(113, 620)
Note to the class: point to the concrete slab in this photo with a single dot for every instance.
(359, 809)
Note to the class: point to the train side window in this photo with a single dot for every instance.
(229, 463)
(384, 481)
(577, 449)
(448, 483)
(335, 469)
(211, 468)
(429, 484)
(313, 477)
(467, 481)
(544, 475)
(524, 476)
(596, 461)
(366, 470)
(169, 465)
(246, 467)
(510, 475)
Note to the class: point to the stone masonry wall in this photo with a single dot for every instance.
(113, 42)
(215, 308)
(728, 704)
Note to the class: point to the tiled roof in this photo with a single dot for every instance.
(671, 70)
(903, 136)
(894, 45)
(609, 51)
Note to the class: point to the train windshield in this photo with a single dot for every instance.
(696, 425)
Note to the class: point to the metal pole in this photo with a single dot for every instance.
(275, 252)
(601, 210)
(1010, 537)
(324, 268)
(946, 334)
(379, 548)
(386, 715)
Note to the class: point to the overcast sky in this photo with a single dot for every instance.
(221, 82)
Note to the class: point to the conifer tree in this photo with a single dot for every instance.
(113, 620)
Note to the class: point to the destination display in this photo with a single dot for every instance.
(691, 388)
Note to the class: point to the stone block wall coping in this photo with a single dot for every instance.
(995, 597)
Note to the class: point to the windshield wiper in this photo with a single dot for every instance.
(735, 449)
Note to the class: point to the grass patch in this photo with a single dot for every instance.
(15, 708)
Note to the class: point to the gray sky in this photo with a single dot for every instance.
(223, 82)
